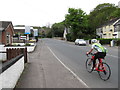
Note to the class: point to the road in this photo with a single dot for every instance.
(73, 57)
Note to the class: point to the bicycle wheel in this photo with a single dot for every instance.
(89, 65)
(105, 74)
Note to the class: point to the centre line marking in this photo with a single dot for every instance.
(80, 80)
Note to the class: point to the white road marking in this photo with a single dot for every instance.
(80, 80)
(113, 56)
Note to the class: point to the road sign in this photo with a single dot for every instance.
(35, 32)
(27, 29)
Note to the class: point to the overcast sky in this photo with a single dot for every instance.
(43, 12)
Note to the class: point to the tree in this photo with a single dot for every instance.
(116, 13)
(77, 22)
(100, 15)
(58, 29)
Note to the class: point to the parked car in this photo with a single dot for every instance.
(23, 37)
(76, 41)
(80, 42)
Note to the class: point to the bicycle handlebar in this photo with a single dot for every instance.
(89, 54)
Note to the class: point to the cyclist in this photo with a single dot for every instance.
(101, 51)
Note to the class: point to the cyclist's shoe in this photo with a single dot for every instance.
(94, 69)
(89, 64)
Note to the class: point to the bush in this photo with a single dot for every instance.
(27, 44)
(117, 42)
(105, 41)
(69, 37)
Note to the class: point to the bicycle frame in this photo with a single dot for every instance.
(100, 65)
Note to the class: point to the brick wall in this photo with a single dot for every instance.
(5, 33)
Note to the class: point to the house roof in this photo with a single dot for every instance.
(110, 22)
(117, 22)
(4, 25)
(21, 27)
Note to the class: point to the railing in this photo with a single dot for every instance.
(12, 53)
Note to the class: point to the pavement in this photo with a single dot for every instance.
(44, 71)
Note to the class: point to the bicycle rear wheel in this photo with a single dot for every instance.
(105, 74)
(89, 65)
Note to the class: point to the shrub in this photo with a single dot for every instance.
(69, 37)
(105, 41)
(27, 44)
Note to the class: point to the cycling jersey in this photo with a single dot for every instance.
(98, 47)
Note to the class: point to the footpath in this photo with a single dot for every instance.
(45, 71)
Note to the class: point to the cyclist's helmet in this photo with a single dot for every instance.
(94, 40)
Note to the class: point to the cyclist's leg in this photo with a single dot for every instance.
(95, 58)
(91, 60)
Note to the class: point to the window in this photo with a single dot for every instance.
(117, 28)
(0, 37)
(111, 30)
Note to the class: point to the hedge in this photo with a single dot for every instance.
(107, 41)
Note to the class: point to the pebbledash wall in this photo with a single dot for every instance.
(10, 74)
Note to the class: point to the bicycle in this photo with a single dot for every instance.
(101, 67)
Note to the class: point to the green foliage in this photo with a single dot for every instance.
(76, 21)
(31, 35)
(100, 15)
(104, 41)
(115, 14)
(27, 44)
(69, 37)
(57, 29)
(107, 41)
(82, 25)
(36, 27)
(117, 42)
(49, 34)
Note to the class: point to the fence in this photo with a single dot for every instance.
(12, 53)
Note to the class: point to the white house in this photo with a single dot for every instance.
(116, 33)
(110, 29)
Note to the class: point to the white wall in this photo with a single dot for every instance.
(119, 4)
(3, 55)
(9, 77)
(29, 48)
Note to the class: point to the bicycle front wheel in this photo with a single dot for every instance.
(105, 74)
(89, 65)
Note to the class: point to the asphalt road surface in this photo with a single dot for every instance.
(74, 58)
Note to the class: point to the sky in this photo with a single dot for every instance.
(43, 12)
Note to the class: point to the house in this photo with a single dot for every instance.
(20, 30)
(116, 33)
(6, 32)
(109, 29)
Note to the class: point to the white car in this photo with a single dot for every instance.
(80, 42)
(76, 41)
(23, 37)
